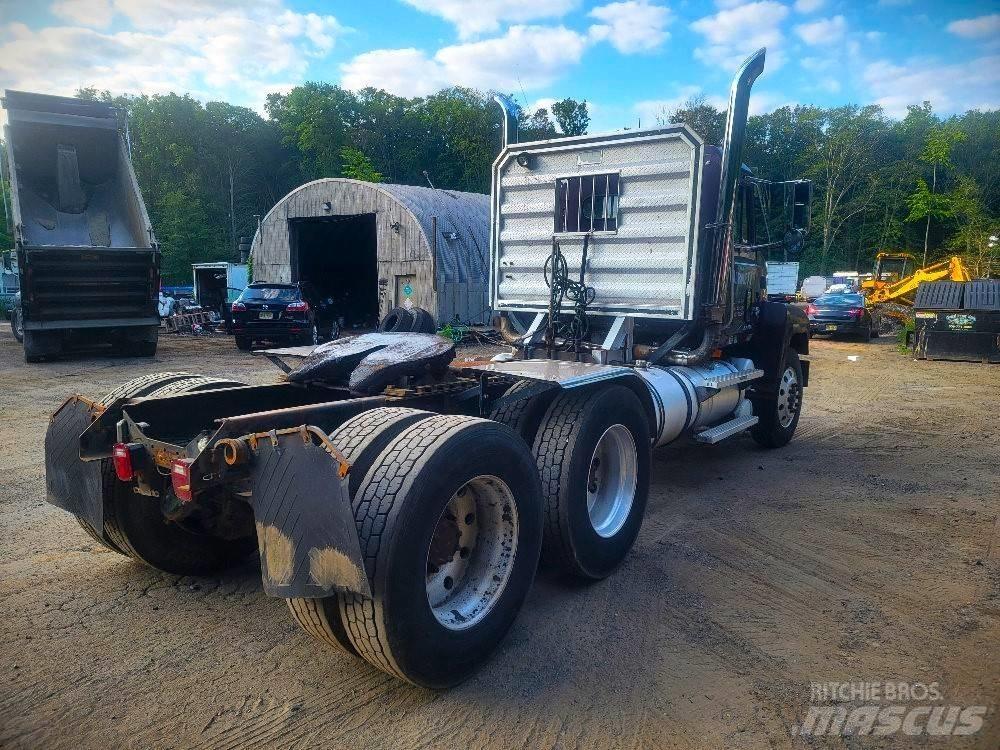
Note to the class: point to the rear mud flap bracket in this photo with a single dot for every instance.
(305, 525)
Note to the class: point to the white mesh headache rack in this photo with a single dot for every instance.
(636, 194)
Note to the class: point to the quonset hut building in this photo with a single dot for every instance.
(373, 247)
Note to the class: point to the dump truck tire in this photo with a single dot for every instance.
(593, 453)
(16, 326)
(361, 439)
(523, 416)
(134, 525)
(779, 416)
(39, 346)
(449, 519)
(397, 320)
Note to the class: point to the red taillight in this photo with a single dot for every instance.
(302, 306)
(121, 456)
(857, 312)
(180, 477)
(810, 309)
(239, 307)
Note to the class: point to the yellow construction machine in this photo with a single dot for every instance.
(890, 292)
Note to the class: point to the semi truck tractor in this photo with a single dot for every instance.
(88, 261)
(399, 501)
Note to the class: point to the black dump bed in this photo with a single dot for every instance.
(86, 248)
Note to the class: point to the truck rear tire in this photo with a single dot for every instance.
(593, 454)
(523, 416)
(779, 416)
(125, 512)
(361, 439)
(450, 520)
(135, 525)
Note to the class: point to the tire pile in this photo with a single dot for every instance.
(412, 320)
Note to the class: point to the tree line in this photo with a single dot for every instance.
(924, 183)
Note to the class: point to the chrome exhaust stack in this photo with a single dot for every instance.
(510, 112)
(732, 160)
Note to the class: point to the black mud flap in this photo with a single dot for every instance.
(305, 526)
(72, 484)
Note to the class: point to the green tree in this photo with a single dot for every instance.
(357, 166)
(703, 118)
(924, 202)
(572, 116)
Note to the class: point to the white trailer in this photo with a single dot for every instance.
(782, 280)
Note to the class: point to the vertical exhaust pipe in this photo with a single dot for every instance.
(732, 160)
(510, 112)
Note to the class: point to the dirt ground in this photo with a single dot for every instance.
(865, 550)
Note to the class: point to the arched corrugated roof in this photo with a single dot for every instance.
(464, 216)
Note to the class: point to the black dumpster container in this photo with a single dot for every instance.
(958, 320)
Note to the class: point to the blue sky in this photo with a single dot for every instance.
(630, 59)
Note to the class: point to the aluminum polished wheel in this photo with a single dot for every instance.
(472, 551)
(612, 480)
(789, 397)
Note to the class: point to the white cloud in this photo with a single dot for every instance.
(975, 28)
(526, 56)
(734, 33)
(631, 26)
(822, 31)
(951, 88)
(809, 6)
(95, 13)
(484, 16)
(218, 50)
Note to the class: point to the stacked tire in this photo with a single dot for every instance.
(408, 320)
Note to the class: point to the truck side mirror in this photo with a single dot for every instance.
(801, 203)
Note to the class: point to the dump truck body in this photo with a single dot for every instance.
(87, 256)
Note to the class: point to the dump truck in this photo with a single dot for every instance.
(399, 501)
(88, 261)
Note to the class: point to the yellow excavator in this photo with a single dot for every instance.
(890, 292)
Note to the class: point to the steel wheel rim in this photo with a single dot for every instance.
(788, 397)
(612, 479)
(472, 551)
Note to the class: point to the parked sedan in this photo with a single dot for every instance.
(840, 313)
(273, 312)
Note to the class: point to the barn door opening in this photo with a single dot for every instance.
(335, 258)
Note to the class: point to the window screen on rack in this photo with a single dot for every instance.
(587, 203)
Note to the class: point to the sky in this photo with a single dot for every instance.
(630, 59)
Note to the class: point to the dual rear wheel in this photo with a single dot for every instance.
(451, 512)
